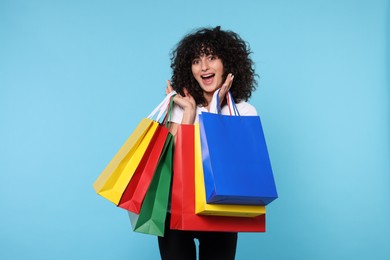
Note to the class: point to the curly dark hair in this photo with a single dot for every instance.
(227, 46)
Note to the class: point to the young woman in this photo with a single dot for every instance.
(203, 62)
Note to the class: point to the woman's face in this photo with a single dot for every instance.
(208, 72)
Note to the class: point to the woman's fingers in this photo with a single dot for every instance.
(189, 97)
(169, 88)
(187, 94)
(228, 82)
(226, 86)
(186, 101)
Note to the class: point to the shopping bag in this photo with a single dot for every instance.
(115, 177)
(183, 215)
(136, 189)
(202, 207)
(151, 219)
(237, 168)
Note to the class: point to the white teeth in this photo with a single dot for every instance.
(207, 75)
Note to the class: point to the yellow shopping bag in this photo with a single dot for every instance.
(201, 207)
(114, 179)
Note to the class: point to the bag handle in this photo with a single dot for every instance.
(168, 116)
(232, 105)
(215, 104)
(162, 107)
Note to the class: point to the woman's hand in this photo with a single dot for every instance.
(186, 102)
(225, 87)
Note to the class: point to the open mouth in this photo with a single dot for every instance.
(207, 78)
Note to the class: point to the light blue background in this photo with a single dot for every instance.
(77, 76)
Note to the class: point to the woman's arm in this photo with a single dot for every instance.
(187, 103)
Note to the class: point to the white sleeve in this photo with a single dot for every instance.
(177, 114)
(246, 109)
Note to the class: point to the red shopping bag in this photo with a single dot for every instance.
(135, 191)
(183, 215)
(152, 217)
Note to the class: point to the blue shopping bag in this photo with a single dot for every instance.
(236, 164)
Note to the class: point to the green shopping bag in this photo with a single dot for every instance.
(151, 219)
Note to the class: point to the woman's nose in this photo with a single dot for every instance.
(205, 65)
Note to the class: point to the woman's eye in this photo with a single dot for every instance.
(212, 57)
(195, 62)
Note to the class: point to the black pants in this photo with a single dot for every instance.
(180, 245)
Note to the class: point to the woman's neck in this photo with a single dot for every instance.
(208, 97)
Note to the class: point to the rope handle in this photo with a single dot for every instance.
(215, 106)
(162, 108)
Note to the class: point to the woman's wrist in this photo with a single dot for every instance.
(188, 116)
